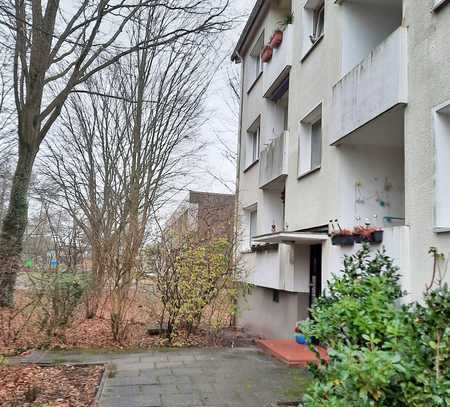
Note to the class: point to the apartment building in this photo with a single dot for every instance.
(206, 214)
(347, 119)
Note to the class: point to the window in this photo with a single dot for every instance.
(255, 62)
(316, 144)
(442, 167)
(310, 142)
(253, 143)
(252, 225)
(313, 24)
(318, 23)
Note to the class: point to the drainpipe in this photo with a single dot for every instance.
(238, 171)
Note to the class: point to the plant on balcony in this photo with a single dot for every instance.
(277, 39)
(266, 54)
(369, 234)
(342, 237)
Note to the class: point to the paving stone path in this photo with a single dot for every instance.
(189, 377)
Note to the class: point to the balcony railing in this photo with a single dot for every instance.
(373, 87)
(277, 70)
(273, 162)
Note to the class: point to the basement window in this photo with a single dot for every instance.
(441, 121)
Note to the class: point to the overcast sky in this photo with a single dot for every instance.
(222, 124)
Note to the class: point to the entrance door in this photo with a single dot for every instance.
(315, 273)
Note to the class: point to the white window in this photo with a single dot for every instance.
(310, 142)
(442, 167)
(255, 63)
(313, 23)
(252, 225)
(253, 142)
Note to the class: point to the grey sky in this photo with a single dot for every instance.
(222, 117)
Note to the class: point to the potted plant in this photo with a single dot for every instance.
(277, 37)
(368, 234)
(342, 237)
(299, 337)
(266, 54)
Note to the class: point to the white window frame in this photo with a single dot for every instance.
(252, 224)
(253, 148)
(256, 66)
(313, 13)
(441, 193)
(305, 144)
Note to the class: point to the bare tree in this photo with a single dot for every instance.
(58, 46)
(116, 157)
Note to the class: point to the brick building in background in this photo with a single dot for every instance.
(209, 215)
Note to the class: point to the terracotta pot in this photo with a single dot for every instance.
(267, 53)
(277, 39)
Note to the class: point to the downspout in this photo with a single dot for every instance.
(238, 172)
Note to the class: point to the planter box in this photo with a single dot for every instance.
(343, 240)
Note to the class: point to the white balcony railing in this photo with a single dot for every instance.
(377, 84)
(279, 66)
(273, 161)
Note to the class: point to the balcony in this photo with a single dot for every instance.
(277, 70)
(373, 87)
(273, 163)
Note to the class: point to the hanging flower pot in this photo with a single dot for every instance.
(267, 53)
(344, 237)
(277, 39)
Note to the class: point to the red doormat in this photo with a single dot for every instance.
(290, 352)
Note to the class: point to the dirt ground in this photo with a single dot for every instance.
(20, 330)
(52, 386)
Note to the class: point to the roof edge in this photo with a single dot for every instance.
(235, 56)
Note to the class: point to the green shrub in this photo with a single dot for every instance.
(57, 295)
(381, 354)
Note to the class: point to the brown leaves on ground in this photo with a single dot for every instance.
(19, 331)
(52, 386)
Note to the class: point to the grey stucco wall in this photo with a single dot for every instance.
(261, 316)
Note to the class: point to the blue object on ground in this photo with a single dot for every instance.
(300, 339)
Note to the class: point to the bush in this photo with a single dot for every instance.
(57, 295)
(195, 281)
(380, 354)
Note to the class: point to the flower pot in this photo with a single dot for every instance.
(358, 238)
(342, 240)
(267, 53)
(376, 237)
(277, 39)
(300, 339)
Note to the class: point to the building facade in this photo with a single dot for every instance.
(207, 215)
(348, 120)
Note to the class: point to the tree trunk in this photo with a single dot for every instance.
(14, 224)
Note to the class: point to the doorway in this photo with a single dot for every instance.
(315, 273)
